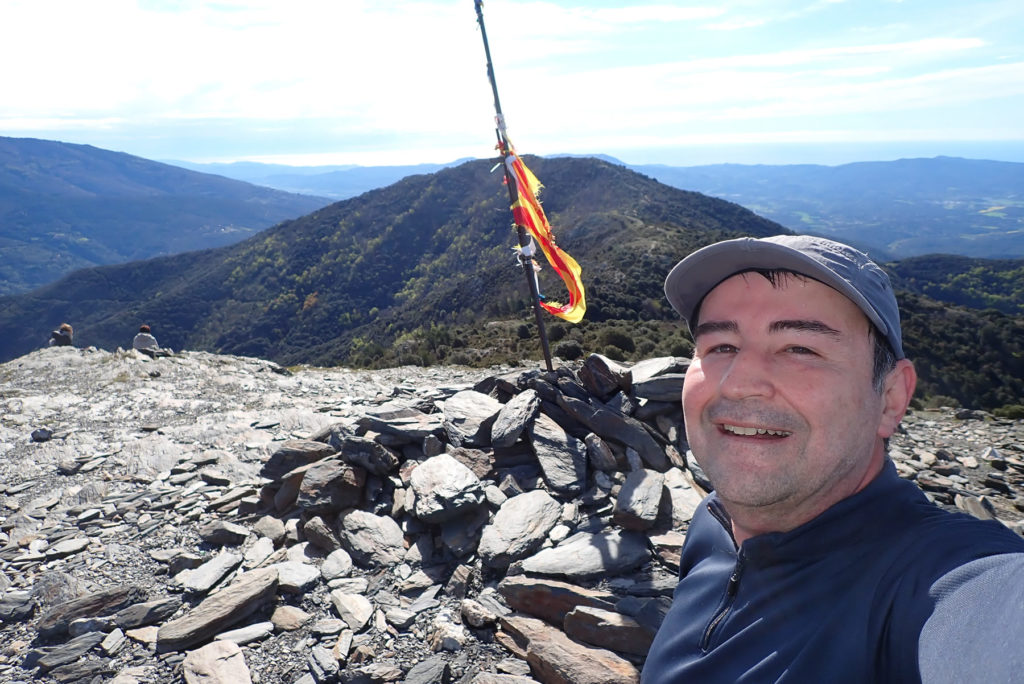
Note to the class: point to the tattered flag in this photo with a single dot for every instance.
(528, 213)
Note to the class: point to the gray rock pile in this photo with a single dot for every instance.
(205, 518)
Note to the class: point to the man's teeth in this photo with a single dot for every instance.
(738, 430)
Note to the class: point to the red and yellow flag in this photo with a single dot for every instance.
(528, 214)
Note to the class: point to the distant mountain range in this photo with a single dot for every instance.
(422, 272)
(336, 182)
(65, 207)
(895, 209)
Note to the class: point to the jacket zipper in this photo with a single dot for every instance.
(730, 596)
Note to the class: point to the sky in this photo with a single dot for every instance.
(381, 82)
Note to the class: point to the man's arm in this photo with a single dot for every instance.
(976, 632)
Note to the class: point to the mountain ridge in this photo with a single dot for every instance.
(431, 247)
(66, 206)
(422, 272)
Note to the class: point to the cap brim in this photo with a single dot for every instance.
(695, 276)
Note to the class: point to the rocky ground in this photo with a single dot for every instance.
(221, 519)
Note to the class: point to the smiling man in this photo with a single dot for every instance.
(812, 561)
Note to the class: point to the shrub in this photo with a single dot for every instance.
(939, 400)
(614, 353)
(1011, 411)
(682, 350)
(619, 339)
(570, 350)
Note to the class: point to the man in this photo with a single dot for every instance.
(61, 337)
(144, 339)
(145, 343)
(812, 561)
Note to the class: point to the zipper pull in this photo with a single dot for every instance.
(734, 583)
(734, 579)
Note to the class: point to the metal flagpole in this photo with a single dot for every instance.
(525, 247)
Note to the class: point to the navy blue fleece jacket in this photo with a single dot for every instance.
(882, 587)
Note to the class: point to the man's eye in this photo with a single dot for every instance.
(796, 349)
(721, 349)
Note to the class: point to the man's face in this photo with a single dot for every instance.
(779, 406)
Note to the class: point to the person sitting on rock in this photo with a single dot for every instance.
(145, 343)
(61, 337)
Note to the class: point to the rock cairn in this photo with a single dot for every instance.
(207, 518)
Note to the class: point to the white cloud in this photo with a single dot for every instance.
(371, 73)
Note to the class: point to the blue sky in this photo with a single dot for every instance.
(380, 82)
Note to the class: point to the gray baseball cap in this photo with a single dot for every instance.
(839, 266)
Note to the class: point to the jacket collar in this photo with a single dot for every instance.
(856, 518)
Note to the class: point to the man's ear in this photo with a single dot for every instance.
(896, 395)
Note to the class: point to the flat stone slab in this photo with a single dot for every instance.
(218, 612)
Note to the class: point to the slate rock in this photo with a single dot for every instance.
(444, 489)
(249, 633)
(555, 658)
(67, 652)
(16, 606)
(603, 377)
(147, 613)
(270, 527)
(468, 417)
(608, 629)
(337, 564)
(518, 528)
(207, 575)
(355, 609)
(83, 671)
(404, 422)
(295, 577)
(55, 621)
(550, 600)
(513, 418)
(433, 670)
(667, 387)
(599, 454)
(639, 499)
(289, 618)
(321, 535)
(219, 611)
(371, 539)
(370, 455)
(619, 428)
(219, 662)
(683, 497)
(293, 453)
(223, 533)
(562, 457)
(610, 552)
(330, 486)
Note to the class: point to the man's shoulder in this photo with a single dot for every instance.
(934, 542)
(977, 625)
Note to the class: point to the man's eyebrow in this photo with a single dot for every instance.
(804, 326)
(715, 326)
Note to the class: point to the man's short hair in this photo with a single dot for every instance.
(884, 359)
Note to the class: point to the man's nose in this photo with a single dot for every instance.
(749, 374)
